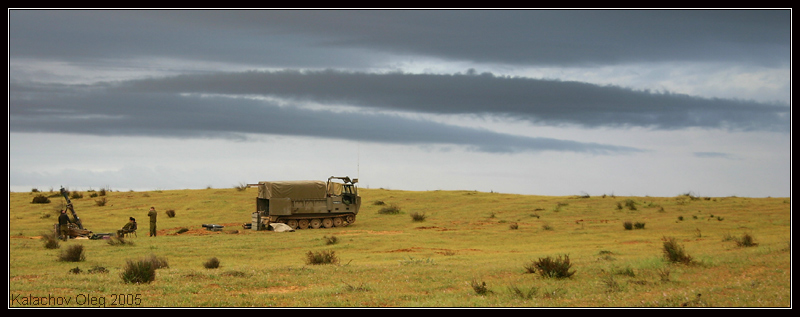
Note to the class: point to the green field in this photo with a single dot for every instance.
(470, 250)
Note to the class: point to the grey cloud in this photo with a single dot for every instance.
(547, 102)
(171, 115)
(339, 38)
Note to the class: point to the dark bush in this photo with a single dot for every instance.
(40, 199)
(324, 257)
(746, 241)
(627, 225)
(390, 210)
(73, 254)
(212, 263)
(552, 267)
(418, 216)
(674, 252)
(170, 213)
(139, 272)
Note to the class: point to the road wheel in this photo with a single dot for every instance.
(302, 223)
(316, 223)
(350, 219)
(327, 222)
(338, 222)
(292, 223)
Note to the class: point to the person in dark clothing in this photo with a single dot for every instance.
(128, 227)
(63, 225)
(152, 213)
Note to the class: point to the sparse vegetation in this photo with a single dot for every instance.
(322, 257)
(73, 253)
(50, 240)
(389, 210)
(392, 262)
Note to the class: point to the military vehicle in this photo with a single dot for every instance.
(306, 204)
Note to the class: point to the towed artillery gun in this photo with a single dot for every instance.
(306, 204)
(75, 225)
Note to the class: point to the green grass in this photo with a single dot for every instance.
(388, 261)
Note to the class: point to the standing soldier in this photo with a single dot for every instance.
(152, 215)
(63, 225)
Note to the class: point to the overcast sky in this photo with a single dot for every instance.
(543, 102)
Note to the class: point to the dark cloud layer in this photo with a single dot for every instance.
(110, 113)
(541, 101)
(339, 38)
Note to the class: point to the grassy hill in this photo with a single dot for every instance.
(470, 249)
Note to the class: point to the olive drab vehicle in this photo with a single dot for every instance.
(306, 204)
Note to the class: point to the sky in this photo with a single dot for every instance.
(537, 102)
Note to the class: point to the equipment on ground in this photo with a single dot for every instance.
(75, 226)
(306, 204)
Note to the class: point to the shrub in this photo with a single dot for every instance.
(101, 202)
(212, 263)
(170, 213)
(638, 225)
(76, 195)
(379, 203)
(552, 267)
(674, 252)
(139, 272)
(627, 225)
(40, 199)
(331, 240)
(118, 241)
(73, 254)
(389, 210)
(630, 204)
(480, 287)
(523, 294)
(746, 241)
(324, 257)
(157, 261)
(50, 240)
(514, 226)
(418, 217)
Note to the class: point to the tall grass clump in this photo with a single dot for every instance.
(389, 210)
(480, 287)
(674, 252)
(139, 272)
(40, 199)
(118, 240)
(50, 240)
(323, 257)
(74, 253)
(548, 267)
(746, 241)
(211, 263)
(418, 217)
(170, 213)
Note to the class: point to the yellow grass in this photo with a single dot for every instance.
(393, 261)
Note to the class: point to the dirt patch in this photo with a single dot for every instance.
(434, 228)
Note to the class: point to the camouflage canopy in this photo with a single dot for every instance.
(292, 189)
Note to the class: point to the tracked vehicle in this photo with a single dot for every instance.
(306, 204)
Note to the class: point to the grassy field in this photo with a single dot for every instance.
(472, 249)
